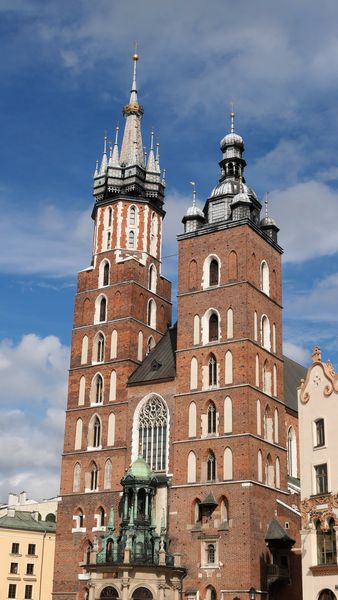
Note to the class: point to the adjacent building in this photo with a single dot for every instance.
(175, 467)
(318, 402)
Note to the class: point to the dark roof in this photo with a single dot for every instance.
(209, 500)
(26, 520)
(160, 363)
(293, 373)
(277, 533)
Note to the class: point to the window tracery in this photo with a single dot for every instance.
(152, 432)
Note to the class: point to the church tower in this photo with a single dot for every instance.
(122, 309)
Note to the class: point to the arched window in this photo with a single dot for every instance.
(191, 467)
(213, 327)
(108, 240)
(131, 239)
(274, 371)
(153, 235)
(77, 477)
(196, 330)
(152, 279)
(78, 435)
(276, 426)
(192, 420)
(150, 344)
(292, 453)
(257, 371)
(140, 346)
(269, 472)
(260, 466)
(84, 350)
(264, 278)
(196, 511)
(109, 215)
(213, 272)
(212, 370)
(211, 467)
(327, 595)
(192, 275)
(142, 593)
(255, 326)
(109, 593)
(274, 337)
(82, 391)
(105, 273)
(224, 510)
(230, 323)
(96, 433)
(211, 553)
(103, 309)
(108, 471)
(227, 466)
(266, 379)
(93, 477)
(96, 395)
(78, 518)
(227, 415)
(193, 373)
(113, 344)
(265, 333)
(151, 317)
(111, 430)
(112, 387)
(211, 418)
(152, 429)
(233, 266)
(277, 472)
(228, 367)
(132, 216)
(326, 543)
(98, 348)
(259, 417)
(268, 425)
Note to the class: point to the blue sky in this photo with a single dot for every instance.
(66, 73)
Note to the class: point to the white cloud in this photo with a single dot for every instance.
(33, 374)
(319, 303)
(306, 214)
(296, 352)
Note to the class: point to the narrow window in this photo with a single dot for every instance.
(106, 274)
(326, 544)
(96, 433)
(82, 390)
(131, 239)
(260, 466)
(196, 330)
(255, 326)
(110, 214)
(140, 346)
(77, 478)
(264, 278)
(292, 453)
(211, 467)
(28, 592)
(213, 272)
(227, 415)
(320, 433)
(211, 419)
(192, 420)
(259, 417)
(213, 328)
(99, 348)
(276, 425)
(152, 279)
(12, 590)
(98, 389)
(78, 435)
(265, 333)
(84, 350)
(191, 467)
(233, 266)
(108, 240)
(193, 275)
(113, 344)
(227, 464)
(111, 430)
(151, 320)
(212, 370)
(277, 472)
(321, 479)
(132, 216)
(211, 554)
(103, 309)
(228, 367)
(193, 373)
(31, 549)
(93, 478)
(108, 470)
(230, 323)
(257, 371)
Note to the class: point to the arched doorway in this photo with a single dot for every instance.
(142, 593)
(109, 593)
(327, 595)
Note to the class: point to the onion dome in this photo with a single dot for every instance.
(268, 224)
(231, 187)
(241, 198)
(232, 138)
(140, 469)
(194, 217)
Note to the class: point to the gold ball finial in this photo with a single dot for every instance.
(135, 56)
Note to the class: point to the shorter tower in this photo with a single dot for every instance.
(318, 397)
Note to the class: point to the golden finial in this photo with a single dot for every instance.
(135, 55)
(232, 118)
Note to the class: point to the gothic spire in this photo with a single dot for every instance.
(104, 162)
(114, 160)
(157, 158)
(151, 165)
(132, 131)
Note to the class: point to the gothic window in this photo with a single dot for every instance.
(326, 543)
(103, 309)
(76, 477)
(79, 519)
(319, 433)
(140, 346)
(192, 420)
(84, 350)
(151, 317)
(292, 453)
(211, 467)
(230, 323)
(193, 275)
(274, 337)
(109, 217)
(112, 387)
(78, 435)
(108, 240)
(213, 272)
(264, 278)
(100, 517)
(260, 466)
(97, 390)
(228, 367)
(211, 418)
(274, 371)
(269, 472)
(227, 415)
(211, 554)
(152, 433)
(276, 426)
(233, 265)
(265, 333)
(227, 464)
(98, 350)
(268, 425)
(259, 417)
(109, 593)
(106, 274)
(93, 477)
(153, 235)
(150, 344)
(277, 472)
(255, 326)
(113, 344)
(224, 510)
(212, 370)
(132, 216)
(152, 279)
(131, 239)
(213, 328)
(257, 371)
(191, 467)
(327, 595)
(196, 330)
(82, 390)
(111, 430)
(193, 373)
(96, 433)
(108, 471)
(321, 479)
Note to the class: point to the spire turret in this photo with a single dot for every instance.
(151, 165)
(132, 132)
(114, 160)
(157, 158)
(104, 162)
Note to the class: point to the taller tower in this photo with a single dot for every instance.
(122, 309)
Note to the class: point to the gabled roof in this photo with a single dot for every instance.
(160, 363)
(277, 533)
(293, 373)
(25, 520)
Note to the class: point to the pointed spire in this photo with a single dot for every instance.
(193, 193)
(266, 202)
(96, 172)
(133, 92)
(104, 162)
(151, 166)
(133, 113)
(157, 158)
(114, 160)
(232, 119)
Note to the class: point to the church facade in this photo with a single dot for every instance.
(174, 475)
